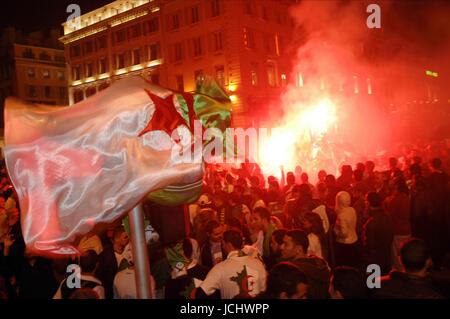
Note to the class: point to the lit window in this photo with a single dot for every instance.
(46, 74)
(283, 79)
(120, 63)
(220, 75)
(102, 66)
(199, 76)
(249, 38)
(89, 69)
(61, 75)
(355, 84)
(271, 75)
(30, 72)
(76, 73)
(369, 86)
(254, 74)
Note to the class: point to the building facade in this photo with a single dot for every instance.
(241, 43)
(30, 71)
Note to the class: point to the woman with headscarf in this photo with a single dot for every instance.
(347, 248)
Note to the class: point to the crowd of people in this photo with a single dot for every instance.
(257, 237)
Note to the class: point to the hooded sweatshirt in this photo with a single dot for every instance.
(345, 228)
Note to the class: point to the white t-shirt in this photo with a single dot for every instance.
(125, 285)
(126, 254)
(322, 212)
(314, 245)
(236, 275)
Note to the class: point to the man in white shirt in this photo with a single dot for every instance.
(125, 280)
(240, 275)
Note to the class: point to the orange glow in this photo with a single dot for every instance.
(232, 87)
(297, 134)
(233, 98)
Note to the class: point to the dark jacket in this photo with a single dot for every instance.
(36, 281)
(206, 257)
(400, 285)
(107, 268)
(318, 274)
(398, 208)
(377, 240)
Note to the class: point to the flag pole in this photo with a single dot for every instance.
(140, 255)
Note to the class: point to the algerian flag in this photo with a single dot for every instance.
(75, 167)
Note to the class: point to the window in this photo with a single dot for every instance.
(264, 14)
(62, 92)
(60, 58)
(136, 56)
(47, 91)
(199, 76)
(102, 66)
(46, 74)
(77, 96)
(31, 91)
(120, 36)
(153, 51)
(90, 91)
(220, 75)
(88, 47)
(61, 76)
(152, 25)
(194, 15)
(175, 21)
(217, 38)
(270, 43)
(248, 7)
(198, 49)
(120, 61)
(278, 17)
(283, 80)
(28, 53)
(254, 74)
(31, 73)
(180, 83)
(178, 48)
(76, 72)
(101, 42)
(135, 31)
(75, 51)
(215, 8)
(249, 38)
(279, 45)
(45, 56)
(89, 69)
(271, 74)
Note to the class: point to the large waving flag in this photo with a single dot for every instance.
(75, 167)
